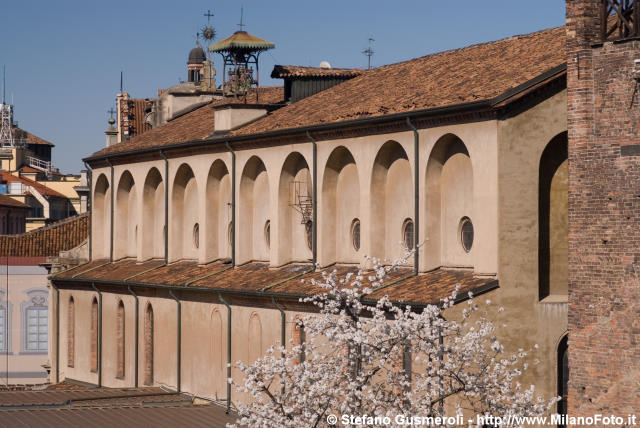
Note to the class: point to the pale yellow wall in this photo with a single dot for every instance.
(559, 232)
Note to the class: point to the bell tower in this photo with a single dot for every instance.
(603, 118)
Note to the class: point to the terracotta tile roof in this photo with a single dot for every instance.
(7, 177)
(282, 71)
(108, 407)
(7, 201)
(49, 240)
(19, 133)
(290, 280)
(477, 72)
(196, 125)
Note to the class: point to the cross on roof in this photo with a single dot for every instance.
(208, 15)
(241, 15)
(111, 111)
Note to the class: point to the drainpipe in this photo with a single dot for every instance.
(57, 331)
(179, 345)
(233, 203)
(89, 208)
(136, 334)
(224, 302)
(93, 285)
(111, 220)
(315, 200)
(416, 195)
(166, 208)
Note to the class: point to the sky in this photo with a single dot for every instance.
(63, 58)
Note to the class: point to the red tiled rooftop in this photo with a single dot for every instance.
(7, 177)
(282, 71)
(7, 201)
(19, 133)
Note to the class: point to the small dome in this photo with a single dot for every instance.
(196, 56)
(325, 65)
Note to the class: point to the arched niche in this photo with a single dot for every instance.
(149, 339)
(101, 218)
(255, 338)
(125, 238)
(392, 199)
(183, 242)
(553, 219)
(253, 212)
(218, 211)
(340, 206)
(448, 201)
(153, 216)
(295, 192)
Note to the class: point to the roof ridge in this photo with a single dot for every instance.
(50, 226)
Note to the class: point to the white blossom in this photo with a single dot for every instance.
(352, 362)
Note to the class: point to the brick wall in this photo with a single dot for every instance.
(604, 218)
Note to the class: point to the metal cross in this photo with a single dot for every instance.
(111, 111)
(208, 15)
(241, 14)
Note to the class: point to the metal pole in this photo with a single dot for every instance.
(166, 208)
(233, 204)
(136, 334)
(416, 195)
(179, 344)
(224, 302)
(314, 225)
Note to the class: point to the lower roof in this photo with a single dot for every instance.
(78, 406)
(259, 280)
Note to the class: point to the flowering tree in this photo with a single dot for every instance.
(384, 360)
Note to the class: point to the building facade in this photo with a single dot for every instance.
(202, 231)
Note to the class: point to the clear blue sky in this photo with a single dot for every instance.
(64, 58)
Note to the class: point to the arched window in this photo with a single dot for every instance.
(94, 335)
(407, 234)
(71, 332)
(255, 337)
(563, 376)
(355, 234)
(148, 346)
(553, 220)
(120, 341)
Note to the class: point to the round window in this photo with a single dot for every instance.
(466, 233)
(308, 228)
(407, 234)
(196, 235)
(267, 233)
(355, 234)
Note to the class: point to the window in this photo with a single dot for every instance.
(120, 341)
(196, 235)
(230, 233)
(267, 233)
(407, 234)
(94, 335)
(37, 319)
(308, 227)
(355, 234)
(4, 330)
(148, 346)
(71, 333)
(466, 234)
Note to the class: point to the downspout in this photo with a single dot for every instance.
(179, 344)
(93, 285)
(89, 207)
(166, 208)
(283, 324)
(224, 302)
(416, 196)
(111, 219)
(57, 331)
(314, 222)
(233, 204)
(136, 334)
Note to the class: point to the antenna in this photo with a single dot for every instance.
(241, 16)
(121, 91)
(4, 83)
(369, 53)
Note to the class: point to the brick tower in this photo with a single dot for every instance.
(603, 43)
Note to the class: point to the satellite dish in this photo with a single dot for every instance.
(325, 64)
